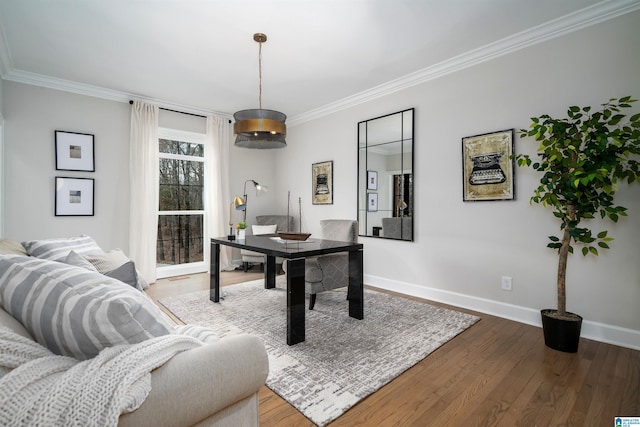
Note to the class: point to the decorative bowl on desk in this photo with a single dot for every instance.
(287, 235)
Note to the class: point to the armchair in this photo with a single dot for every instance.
(327, 272)
(397, 228)
(282, 222)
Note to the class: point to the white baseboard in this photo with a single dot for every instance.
(609, 334)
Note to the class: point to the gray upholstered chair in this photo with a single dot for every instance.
(326, 272)
(397, 228)
(280, 221)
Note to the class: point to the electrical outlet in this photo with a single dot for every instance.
(507, 283)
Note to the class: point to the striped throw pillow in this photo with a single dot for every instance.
(58, 249)
(76, 312)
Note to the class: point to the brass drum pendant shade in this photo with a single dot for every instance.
(259, 128)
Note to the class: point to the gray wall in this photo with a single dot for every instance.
(462, 249)
(32, 114)
(1, 83)
(2, 168)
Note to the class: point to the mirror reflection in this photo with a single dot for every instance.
(385, 176)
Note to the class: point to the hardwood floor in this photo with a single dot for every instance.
(496, 373)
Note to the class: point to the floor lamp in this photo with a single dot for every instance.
(241, 202)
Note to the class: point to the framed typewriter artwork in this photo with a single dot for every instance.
(487, 167)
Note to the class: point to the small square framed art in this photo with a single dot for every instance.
(74, 151)
(74, 196)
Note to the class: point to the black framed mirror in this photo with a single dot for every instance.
(385, 176)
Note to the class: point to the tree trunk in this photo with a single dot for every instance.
(562, 263)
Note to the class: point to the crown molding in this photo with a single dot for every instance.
(592, 15)
(100, 92)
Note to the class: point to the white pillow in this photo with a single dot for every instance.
(264, 229)
(106, 261)
(78, 260)
(111, 261)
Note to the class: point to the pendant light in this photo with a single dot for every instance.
(258, 128)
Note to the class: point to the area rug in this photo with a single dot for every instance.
(342, 360)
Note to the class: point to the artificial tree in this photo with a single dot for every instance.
(583, 159)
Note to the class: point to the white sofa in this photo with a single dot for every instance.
(214, 384)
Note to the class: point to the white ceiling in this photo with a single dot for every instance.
(199, 55)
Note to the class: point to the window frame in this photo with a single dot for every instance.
(195, 138)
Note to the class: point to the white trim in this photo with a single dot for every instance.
(609, 334)
(194, 267)
(192, 212)
(592, 15)
(182, 135)
(181, 269)
(181, 157)
(34, 79)
(575, 21)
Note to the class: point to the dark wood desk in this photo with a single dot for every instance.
(295, 253)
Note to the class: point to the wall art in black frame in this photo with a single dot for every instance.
(74, 196)
(74, 151)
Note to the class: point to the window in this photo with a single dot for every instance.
(181, 246)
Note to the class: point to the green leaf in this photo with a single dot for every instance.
(602, 234)
(585, 251)
(593, 250)
(615, 119)
(603, 245)
(554, 239)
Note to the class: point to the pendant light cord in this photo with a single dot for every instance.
(260, 74)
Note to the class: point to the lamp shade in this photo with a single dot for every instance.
(259, 128)
(239, 203)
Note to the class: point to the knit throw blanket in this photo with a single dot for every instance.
(40, 388)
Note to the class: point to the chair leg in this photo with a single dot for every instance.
(245, 266)
(312, 301)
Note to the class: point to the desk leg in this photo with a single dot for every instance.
(295, 301)
(214, 273)
(355, 292)
(270, 273)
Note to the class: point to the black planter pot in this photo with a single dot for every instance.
(561, 334)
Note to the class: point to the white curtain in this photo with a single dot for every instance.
(217, 200)
(143, 171)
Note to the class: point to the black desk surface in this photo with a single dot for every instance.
(268, 245)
